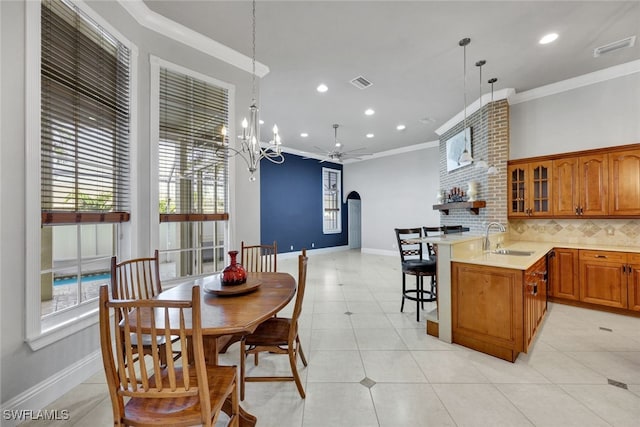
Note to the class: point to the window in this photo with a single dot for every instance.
(331, 201)
(192, 172)
(82, 104)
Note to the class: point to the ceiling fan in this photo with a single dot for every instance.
(337, 154)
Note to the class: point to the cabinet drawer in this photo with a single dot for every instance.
(608, 256)
(633, 258)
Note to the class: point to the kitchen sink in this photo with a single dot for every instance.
(512, 252)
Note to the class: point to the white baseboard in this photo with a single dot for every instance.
(49, 390)
(384, 252)
(287, 255)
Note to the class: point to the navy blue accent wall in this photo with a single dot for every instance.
(291, 205)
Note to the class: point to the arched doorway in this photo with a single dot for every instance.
(354, 214)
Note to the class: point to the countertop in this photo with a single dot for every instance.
(519, 262)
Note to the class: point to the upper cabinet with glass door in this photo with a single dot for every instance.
(600, 183)
(530, 190)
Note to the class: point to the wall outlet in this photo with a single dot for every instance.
(291, 247)
(313, 245)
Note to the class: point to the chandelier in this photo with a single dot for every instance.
(251, 150)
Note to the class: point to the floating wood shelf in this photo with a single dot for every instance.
(474, 207)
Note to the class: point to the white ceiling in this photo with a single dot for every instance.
(409, 51)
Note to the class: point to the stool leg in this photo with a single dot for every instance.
(422, 291)
(403, 292)
(418, 290)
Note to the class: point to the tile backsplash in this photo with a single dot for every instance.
(615, 232)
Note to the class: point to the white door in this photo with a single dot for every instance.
(355, 225)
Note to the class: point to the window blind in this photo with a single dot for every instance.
(84, 119)
(193, 162)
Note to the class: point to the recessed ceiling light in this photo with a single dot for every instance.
(261, 122)
(548, 38)
(304, 134)
(369, 112)
(370, 135)
(338, 144)
(401, 127)
(322, 88)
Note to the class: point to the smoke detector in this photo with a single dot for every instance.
(620, 44)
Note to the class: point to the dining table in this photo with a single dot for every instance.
(229, 311)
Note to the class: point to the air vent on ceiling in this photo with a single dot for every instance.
(361, 83)
(620, 44)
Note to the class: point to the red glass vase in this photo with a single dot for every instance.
(234, 273)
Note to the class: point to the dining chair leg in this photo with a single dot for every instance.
(243, 357)
(304, 359)
(296, 376)
(234, 420)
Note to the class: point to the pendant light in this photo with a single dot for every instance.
(492, 169)
(481, 164)
(465, 157)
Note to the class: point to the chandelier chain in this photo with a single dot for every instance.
(253, 48)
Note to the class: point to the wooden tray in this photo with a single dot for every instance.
(212, 285)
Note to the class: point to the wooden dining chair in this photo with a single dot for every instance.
(259, 258)
(254, 259)
(140, 279)
(278, 335)
(142, 391)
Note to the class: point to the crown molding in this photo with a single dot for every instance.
(401, 150)
(599, 76)
(178, 32)
(514, 98)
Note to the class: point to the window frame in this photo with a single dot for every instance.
(156, 63)
(39, 331)
(337, 199)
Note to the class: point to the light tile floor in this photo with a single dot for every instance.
(351, 329)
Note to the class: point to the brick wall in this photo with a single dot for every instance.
(489, 142)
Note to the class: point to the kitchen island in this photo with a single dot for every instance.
(491, 302)
(495, 302)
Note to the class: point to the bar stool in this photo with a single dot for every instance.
(414, 264)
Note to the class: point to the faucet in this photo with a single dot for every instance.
(486, 244)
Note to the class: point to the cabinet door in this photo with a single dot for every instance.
(539, 188)
(517, 175)
(565, 274)
(633, 282)
(603, 279)
(593, 185)
(535, 300)
(624, 183)
(566, 195)
(486, 306)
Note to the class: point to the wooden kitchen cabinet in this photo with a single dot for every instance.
(633, 282)
(580, 186)
(564, 274)
(530, 189)
(624, 183)
(496, 310)
(603, 278)
(535, 300)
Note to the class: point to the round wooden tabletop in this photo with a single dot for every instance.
(232, 314)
